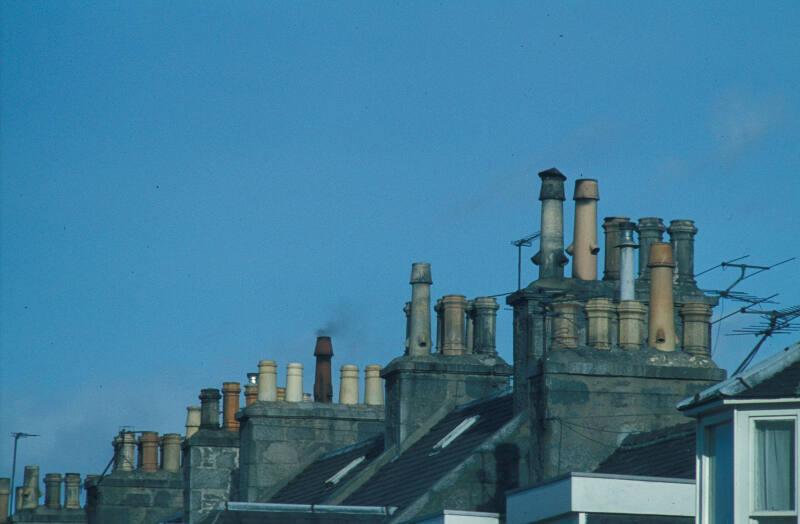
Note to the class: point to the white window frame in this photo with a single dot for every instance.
(701, 466)
(744, 460)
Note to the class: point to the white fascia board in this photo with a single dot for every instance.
(596, 493)
(450, 516)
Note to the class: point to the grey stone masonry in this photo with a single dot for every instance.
(44, 514)
(583, 402)
(279, 439)
(130, 497)
(418, 387)
(210, 473)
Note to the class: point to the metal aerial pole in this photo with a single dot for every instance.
(17, 436)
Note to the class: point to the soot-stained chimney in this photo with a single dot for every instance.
(551, 258)
(323, 385)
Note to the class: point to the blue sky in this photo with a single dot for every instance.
(188, 188)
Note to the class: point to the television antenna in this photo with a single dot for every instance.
(775, 322)
(527, 242)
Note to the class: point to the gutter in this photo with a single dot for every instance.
(274, 507)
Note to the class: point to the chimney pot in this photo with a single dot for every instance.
(280, 394)
(696, 329)
(681, 234)
(631, 324)
(72, 490)
(192, 420)
(598, 313)
(420, 336)
(267, 380)
(30, 485)
(565, 324)
(52, 490)
(323, 383)
(126, 443)
(627, 290)
(661, 321)
(485, 314)
(612, 259)
(149, 450)
(348, 384)
(209, 408)
(231, 392)
(651, 229)
(373, 385)
(5, 493)
(294, 382)
(171, 452)
(454, 311)
(551, 258)
(584, 247)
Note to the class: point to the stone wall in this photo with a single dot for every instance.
(132, 497)
(210, 473)
(50, 516)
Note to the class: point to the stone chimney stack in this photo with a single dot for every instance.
(454, 313)
(485, 315)
(209, 408)
(420, 332)
(584, 247)
(149, 450)
(681, 235)
(171, 452)
(551, 258)
(30, 488)
(231, 393)
(373, 385)
(651, 230)
(323, 382)
(72, 490)
(612, 233)
(627, 277)
(192, 420)
(5, 493)
(348, 384)
(661, 321)
(267, 381)
(294, 382)
(52, 490)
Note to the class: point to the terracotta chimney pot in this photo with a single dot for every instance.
(149, 451)
(584, 247)
(231, 393)
(661, 320)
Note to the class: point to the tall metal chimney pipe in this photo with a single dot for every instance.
(661, 321)
(681, 235)
(323, 382)
(420, 332)
(626, 274)
(651, 229)
(551, 258)
(612, 259)
(584, 246)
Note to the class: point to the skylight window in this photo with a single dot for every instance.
(345, 470)
(455, 433)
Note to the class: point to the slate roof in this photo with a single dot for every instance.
(667, 452)
(309, 487)
(775, 377)
(414, 472)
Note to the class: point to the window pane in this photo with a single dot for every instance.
(720, 473)
(773, 465)
(773, 520)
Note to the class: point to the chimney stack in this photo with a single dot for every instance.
(420, 336)
(651, 230)
(598, 313)
(565, 324)
(627, 290)
(612, 233)
(149, 451)
(454, 311)
(697, 329)
(72, 490)
(681, 235)
(551, 258)
(209, 408)
(323, 383)
(661, 322)
(30, 488)
(373, 386)
(348, 385)
(294, 382)
(192, 420)
(485, 315)
(52, 490)
(5, 492)
(267, 381)
(584, 246)
(231, 393)
(171, 452)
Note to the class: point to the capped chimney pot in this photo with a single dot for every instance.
(149, 451)
(192, 420)
(231, 393)
(551, 258)
(171, 452)
(661, 321)
(651, 229)
(485, 314)
(348, 384)
(454, 311)
(267, 380)
(420, 336)
(584, 247)
(294, 382)
(373, 385)
(323, 382)
(612, 257)
(627, 278)
(72, 490)
(52, 490)
(681, 234)
(209, 408)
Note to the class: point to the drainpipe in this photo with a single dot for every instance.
(584, 246)
(551, 258)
